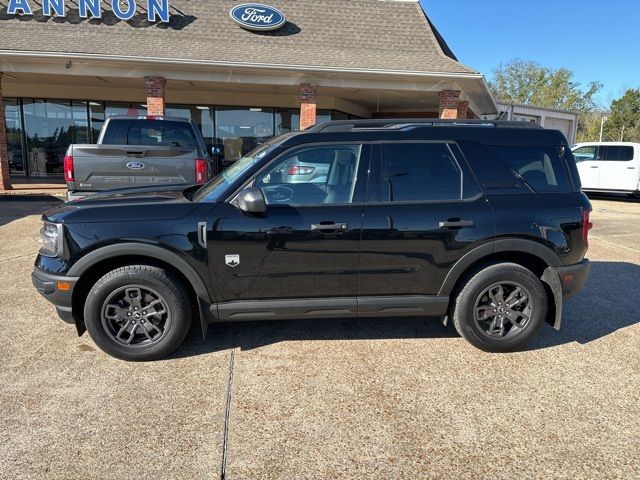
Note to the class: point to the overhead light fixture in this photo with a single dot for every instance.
(199, 107)
(95, 104)
(255, 109)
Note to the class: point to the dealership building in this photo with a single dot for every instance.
(243, 72)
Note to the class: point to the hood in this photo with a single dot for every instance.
(126, 204)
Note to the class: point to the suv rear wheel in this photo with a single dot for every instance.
(138, 312)
(501, 308)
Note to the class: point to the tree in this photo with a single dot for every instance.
(623, 123)
(530, 83)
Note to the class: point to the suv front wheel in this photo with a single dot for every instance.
(501, 308)
(138, 312)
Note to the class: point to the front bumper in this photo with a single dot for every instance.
(573, 278)
(58, 289)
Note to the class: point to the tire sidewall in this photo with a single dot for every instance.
(175, 300)
(465, 304)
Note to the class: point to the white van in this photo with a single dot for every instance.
(609, 166)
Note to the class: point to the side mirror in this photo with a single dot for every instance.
(251, 200)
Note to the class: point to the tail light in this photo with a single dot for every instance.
(296, 170)
(201, 171)
(68, 168)
(586, 226)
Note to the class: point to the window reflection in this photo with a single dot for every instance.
(201, 114)
(14, 136)
(239, 130)
(50, 127)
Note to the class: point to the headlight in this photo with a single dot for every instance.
(51, 234)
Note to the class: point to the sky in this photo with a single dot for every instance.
(598, 40)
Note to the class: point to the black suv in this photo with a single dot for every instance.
(480, 223)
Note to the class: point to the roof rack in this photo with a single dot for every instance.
(411, 123)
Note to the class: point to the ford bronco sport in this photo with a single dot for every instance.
(480, 223)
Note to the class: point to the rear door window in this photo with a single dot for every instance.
(615, 153)
(541, 167)
(150, 132)
(415, 172)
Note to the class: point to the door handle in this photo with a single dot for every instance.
(202, 234)
(631, 168)
(456, 223)
(328, 227)
(594, 166)
(135, 153)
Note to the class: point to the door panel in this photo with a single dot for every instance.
(307, 243)
(618, 168)
(405, 251)
(416, 224)
(280, 256)
(588, 165)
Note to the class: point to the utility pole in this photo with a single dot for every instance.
(604, 119)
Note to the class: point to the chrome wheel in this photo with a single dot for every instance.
(135, 316)
(503, 310)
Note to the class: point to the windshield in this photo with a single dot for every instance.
(211, 191)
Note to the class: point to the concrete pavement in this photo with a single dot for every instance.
(402, 398)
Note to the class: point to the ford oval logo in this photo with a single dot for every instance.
(135, 165)
(255, 16)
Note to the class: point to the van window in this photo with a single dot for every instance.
(615, 153)
(541, 167)
(149, 132)
(414, 172)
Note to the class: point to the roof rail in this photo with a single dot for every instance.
(411, 123)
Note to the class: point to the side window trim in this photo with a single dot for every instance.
(376, 168)
(361, 173)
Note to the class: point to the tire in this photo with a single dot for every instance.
(520, 323)
(125, 319)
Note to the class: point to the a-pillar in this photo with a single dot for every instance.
(308, 100)
(155, 95)
(5, 176)
(449, 104)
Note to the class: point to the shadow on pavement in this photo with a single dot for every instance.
(13, 207)
(607, 304)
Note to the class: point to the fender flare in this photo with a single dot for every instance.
(501, 245)
(146, 250)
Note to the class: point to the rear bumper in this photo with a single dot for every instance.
(48, 286)
(573, 278)
(77, 195)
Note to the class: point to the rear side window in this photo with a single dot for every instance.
(541, 167)
(585, 153)
(414, 172)
(150, 132)
(615, 153)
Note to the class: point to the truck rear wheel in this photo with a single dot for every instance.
(501, 308)
(138, 312)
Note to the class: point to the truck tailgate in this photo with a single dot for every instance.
(104, 167)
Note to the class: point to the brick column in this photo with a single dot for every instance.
(308, 99)
(463, 107)
(155, 95)
(449, 100)
(5, 177)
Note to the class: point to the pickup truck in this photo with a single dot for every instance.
(135, 151)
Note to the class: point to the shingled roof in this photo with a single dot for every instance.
(354, 34)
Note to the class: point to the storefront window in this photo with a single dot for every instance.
(200, 114)
(239, 130)
(50, 126)
(287, 120)
(14, 136)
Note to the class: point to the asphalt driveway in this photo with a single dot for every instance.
(402, 398)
